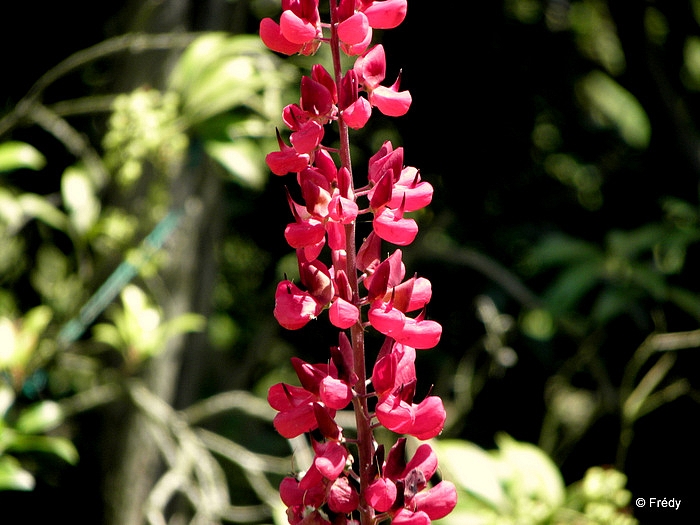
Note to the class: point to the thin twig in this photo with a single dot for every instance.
(131, 42)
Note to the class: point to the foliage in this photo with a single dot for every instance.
(223, 94)
(519, 483)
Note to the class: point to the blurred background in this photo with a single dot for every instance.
(141, 240)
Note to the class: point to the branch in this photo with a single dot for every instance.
(131, 42)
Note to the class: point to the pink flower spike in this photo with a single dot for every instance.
(386, 14)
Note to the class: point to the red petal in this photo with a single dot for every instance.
(295, 422)
(271, 35)
(393, 229)
(342, 497)
(420, 334)
(381, 494)
(294, 308)
(438, 501)
(296, 29)
(334, 393)
(429, 418)
(354, 29)
(391, 103)
(343, 314)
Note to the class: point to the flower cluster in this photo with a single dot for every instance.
(360, 287)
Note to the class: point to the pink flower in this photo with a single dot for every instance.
(410, 189)
(391, 226)
(302, 409)
(286, 160)
(355, 110)
(293, 307)
(384, 14)
(370, 68)
(299, 30)
(394, 380)
(415, 505)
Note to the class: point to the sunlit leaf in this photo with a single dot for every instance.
(612, 104)
(58, 446)
(474, 470)
(17, 155)
(242, 159)
(79, 198)
(534, 473)
(38, 207)
(559, 250)
(13, 476)
(572, 284)
(217, 73)
(40, 417)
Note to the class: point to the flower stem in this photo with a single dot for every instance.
(365, 437)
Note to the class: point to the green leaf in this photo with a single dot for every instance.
(7, 399)
(532, 473)
(58, 446)
(572, 284)
(560, 250)
(40, 417)
(13, 476)
(473, 470)
(38, 207)
(242, 159)
(217, 73)
(79, 198)
(614, 105)
(17, 155)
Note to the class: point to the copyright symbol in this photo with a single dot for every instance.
(640, 502)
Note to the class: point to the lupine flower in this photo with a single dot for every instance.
(401, 490)
(384, 14)
(286, 160)
(322, 389)
(324, 220)
(370, 68)
(299, 30)
(394, 379)
(294, 308)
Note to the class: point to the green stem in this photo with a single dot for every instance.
(365, 437)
